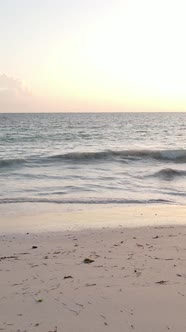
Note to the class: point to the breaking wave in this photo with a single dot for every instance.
(177, 156)
(169, 173)
(172, 155)
(11, 162)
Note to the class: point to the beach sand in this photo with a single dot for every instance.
(96, 279)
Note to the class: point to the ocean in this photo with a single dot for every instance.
(91, 158)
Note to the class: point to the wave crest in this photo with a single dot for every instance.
(164, 155)
(176, 156)
(11, 162)
(169, 173)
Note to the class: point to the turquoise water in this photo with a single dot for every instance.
(103, 158)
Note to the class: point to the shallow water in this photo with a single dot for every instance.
(108, 158)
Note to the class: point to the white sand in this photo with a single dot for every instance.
(137, 281)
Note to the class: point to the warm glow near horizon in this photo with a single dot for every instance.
(110, 55)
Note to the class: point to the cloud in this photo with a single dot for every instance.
(14, 95)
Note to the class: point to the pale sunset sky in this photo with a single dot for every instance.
(92, 55)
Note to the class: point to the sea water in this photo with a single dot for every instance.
(91, 158)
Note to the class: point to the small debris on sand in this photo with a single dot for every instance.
(162, 282)
(88, 260)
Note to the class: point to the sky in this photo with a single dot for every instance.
(92, 55)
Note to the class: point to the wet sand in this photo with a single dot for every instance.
(59, 218)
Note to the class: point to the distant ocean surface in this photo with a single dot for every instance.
(107, 158)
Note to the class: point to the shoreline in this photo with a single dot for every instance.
(129, 216)
(134, 280)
